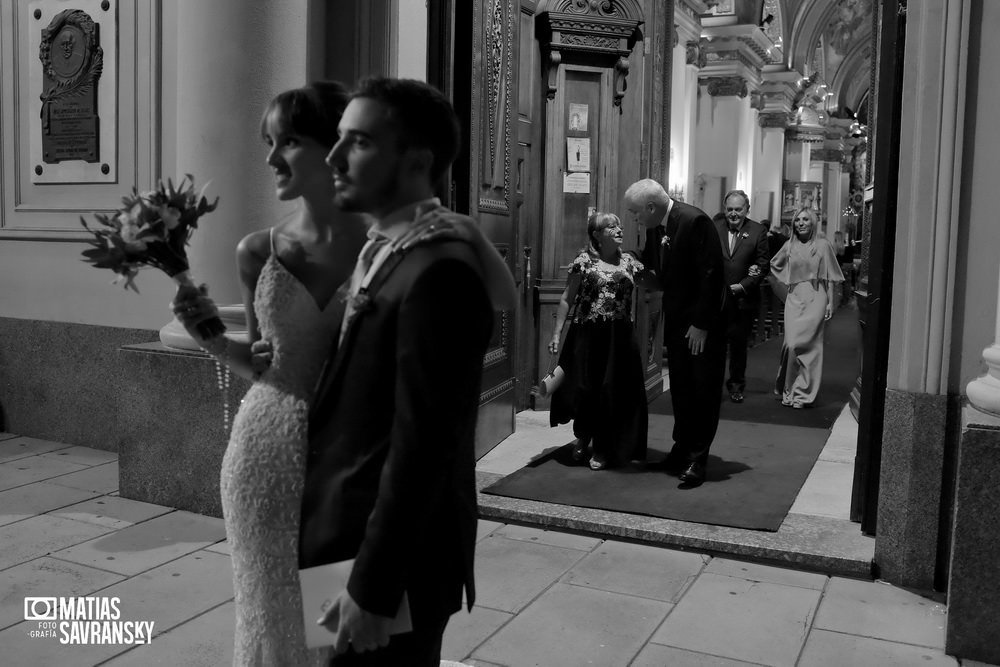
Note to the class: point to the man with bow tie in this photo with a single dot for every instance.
(683, 255)
(744, 265)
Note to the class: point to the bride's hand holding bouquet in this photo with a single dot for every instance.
(153, 228)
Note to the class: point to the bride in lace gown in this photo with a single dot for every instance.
(289, 278)
(290, 275)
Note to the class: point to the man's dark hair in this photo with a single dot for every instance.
(422, 114)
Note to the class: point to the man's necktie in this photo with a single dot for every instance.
(732, 240)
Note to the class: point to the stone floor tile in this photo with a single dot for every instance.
(744, 620)
(833, 649)
(83, 455)
(485, 527)
(842, 445)
(654, 655)
(40, 536)
(34, 469)
(766, 573)
(111, 512)
(222, 547)
(148, 544)
(176, 592)
(46, 577)
(572, 626)
(37, 498)
(466, 631)
(553, 538)
(875, 609)
(826, 492)
(18, 447)
(7, 436)
(205, 641)
(103, 478)
(482, 663)
(512, 573)
(21, 650)
(638, 569)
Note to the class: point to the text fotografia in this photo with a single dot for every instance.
(84, 621)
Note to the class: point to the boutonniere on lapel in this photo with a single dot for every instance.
(361, 302)
(744, 235)
(665, 241)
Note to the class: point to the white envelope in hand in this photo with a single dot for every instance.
(320, 586)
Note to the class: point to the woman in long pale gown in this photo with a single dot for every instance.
(804, 270)
(290, 278)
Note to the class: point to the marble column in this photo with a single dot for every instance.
(232, 57)
(687, 59)
(734, 57)
(769, 165)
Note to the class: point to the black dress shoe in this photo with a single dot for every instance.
(736, 396)
(694, 474)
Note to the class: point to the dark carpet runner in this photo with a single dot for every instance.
(761, 456)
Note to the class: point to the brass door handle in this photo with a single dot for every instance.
(527, 266)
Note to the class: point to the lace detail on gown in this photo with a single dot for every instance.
(263, 473)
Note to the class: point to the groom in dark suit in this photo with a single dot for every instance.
(390, 471)
(745, 262)
(683, 253)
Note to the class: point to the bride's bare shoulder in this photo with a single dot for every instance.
(253, 249)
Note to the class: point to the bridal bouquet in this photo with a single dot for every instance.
(152, 229)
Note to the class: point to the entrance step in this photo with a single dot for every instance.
(825, 545)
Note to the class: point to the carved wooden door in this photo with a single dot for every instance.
(483, 79)
(527, 194)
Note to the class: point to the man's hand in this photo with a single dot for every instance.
(353, 626)
(736, 289)
(261, 356)
(696, 339)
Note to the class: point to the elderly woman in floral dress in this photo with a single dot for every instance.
(603, 393)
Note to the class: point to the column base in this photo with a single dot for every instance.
(909, 504)
(984, 392)
(973, 587)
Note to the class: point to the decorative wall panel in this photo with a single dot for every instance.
(99, 76)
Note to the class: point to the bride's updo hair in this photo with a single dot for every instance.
(313, 111)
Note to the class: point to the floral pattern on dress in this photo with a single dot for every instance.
(605, 289)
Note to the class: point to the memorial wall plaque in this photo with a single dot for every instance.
(72, 62)
(69, 116)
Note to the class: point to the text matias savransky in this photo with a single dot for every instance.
(84, 620)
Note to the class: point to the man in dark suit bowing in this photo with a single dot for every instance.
(683, 253)
(390, 471)
(745, 262)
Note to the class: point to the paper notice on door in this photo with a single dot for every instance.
(320, 586)
(578, 117)
(577, 183)
(577, 154)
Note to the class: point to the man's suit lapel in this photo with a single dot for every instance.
(335, 363)
(670, 232)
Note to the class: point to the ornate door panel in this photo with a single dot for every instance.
(527, 168)
(485, 94)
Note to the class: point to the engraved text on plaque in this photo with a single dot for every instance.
(72, 60)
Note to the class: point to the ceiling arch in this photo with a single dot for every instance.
(842, 29)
